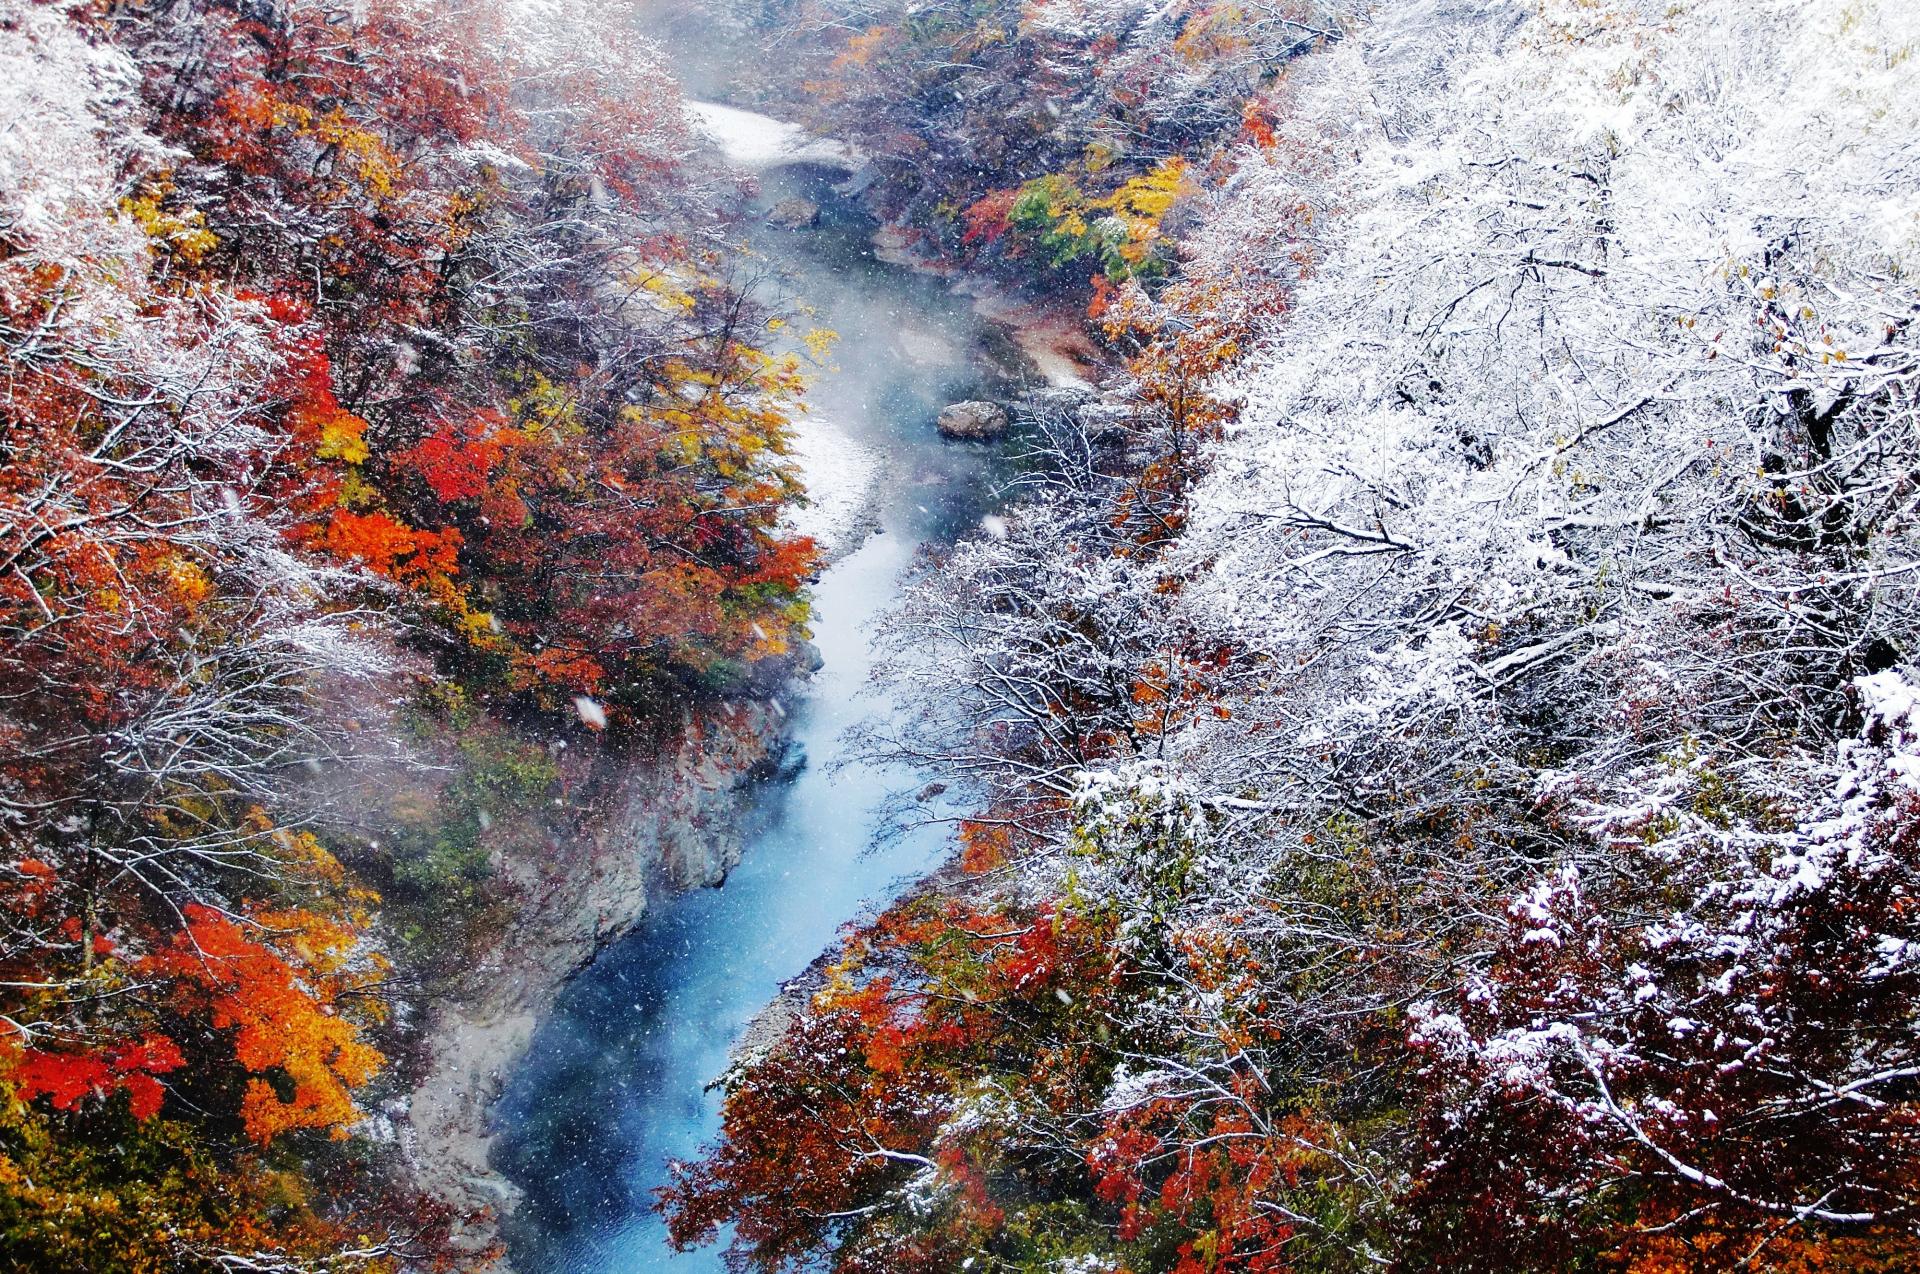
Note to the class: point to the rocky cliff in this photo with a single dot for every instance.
(649, 824)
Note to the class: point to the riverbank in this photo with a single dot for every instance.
(1052, 338)
(666, 824)
(647, 827)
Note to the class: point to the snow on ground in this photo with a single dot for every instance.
(758, 142)
(839, 474)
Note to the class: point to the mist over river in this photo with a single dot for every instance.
(616, 1083)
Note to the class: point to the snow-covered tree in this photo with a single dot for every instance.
(1533, 529)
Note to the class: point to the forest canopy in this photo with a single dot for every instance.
(1441, 719)
(351, 352)
(1437, 722)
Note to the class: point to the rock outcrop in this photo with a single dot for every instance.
(973, 421)
(794, 214)
(647, 827)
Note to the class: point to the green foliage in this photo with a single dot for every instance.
(444, 898)
(109, 1194)
(1118, 232)
(444, 857)
(1051, 212)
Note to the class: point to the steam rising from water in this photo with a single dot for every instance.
(615, 1085)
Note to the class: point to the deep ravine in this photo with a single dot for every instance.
(616, 1083)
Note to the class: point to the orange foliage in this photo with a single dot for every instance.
(1787, 1249)
(285, 1015)
(989, 218)
(1256, 127)
(983, 846)
(391, 548)
(862, 48)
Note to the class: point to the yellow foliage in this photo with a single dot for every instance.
(189, 583)
(820, 342)
(185, 234)
(666, 291)
(1216, 32)
(343, 437)
(356, 492)
(547, 405)
(367, 157)
(1141, 202)
(1149, 196)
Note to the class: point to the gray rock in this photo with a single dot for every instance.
(973, 421)
(794, 214)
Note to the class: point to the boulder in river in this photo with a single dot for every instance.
(794, 214)
(973, 421)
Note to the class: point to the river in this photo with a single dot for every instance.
(615, 1084)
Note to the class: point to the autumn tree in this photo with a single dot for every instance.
(331, 333)
(1481, 743)
(1045, 137)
